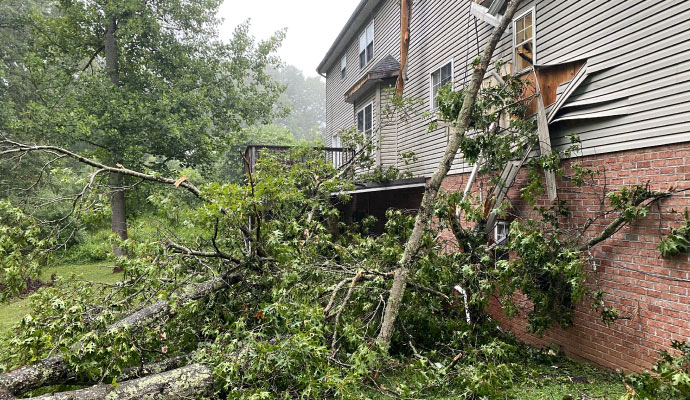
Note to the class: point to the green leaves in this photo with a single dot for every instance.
(23, 250)
(678, 240)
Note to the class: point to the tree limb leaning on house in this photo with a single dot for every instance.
(432, 188)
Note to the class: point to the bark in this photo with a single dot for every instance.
(193, 381)
(424, 216)
(118, 220)
(41, 373)
(117, 198)
(56, 370)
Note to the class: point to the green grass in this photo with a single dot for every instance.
(568, 379)
(13, 312)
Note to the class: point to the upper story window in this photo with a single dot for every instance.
(365, 120)
(366, 45)
(523, 41)
(343, 67)
(439, 78)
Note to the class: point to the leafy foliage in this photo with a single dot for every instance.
(678, 239)
(670, 377)
(23, 250)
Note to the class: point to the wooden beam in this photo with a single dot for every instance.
(544, 141)
(405, 16)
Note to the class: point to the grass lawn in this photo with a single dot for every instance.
(99, 272)
(568, 379)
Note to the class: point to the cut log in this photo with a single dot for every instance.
(191, 382)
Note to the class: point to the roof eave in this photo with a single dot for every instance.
(346, 34)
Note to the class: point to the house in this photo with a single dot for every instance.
(616, 73)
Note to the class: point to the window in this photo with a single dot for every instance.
(365, 120)
(440, 78)
(366, 45)
(501, 232)
(343, 67)
(523, 41)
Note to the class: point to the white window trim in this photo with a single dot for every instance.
(431, 81)
(534, 38)
(504, 224)
(343, 67)
(371, 103)
(373, 44)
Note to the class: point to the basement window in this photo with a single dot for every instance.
(366, 45)
(343, 67)
(439, 78)
(501, 232)
(524, 52)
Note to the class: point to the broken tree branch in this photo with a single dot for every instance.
(191, 381)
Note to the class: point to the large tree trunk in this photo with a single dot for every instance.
(190, 382)
(425, 214)
(118, 220)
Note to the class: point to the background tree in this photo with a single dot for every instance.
(305, 97)
(143, 83)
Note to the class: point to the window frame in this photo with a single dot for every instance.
(432, 96)
(343, 67)
(364, 122)
(534, 39)
(505, 225)
(366, 45)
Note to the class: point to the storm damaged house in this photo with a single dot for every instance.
(616, 73)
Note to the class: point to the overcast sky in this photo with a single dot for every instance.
(312, 25)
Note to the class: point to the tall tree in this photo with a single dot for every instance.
(305, 98)
(140, 83)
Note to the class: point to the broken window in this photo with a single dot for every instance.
(366, 45)
(439, 78)
(523, 41)
(343, 67)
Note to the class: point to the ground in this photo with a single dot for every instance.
(98, 272)
(562, 380)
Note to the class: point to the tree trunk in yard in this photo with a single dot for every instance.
(425, 214)
(118, 220)
(191, 382)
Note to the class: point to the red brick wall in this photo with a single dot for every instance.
(654, 292)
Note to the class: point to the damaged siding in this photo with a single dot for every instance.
(633, 93)
(636, 92)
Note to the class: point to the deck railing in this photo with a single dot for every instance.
(339, 156)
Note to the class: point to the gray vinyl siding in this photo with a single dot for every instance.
(633, 96)
(388, 128)
(638, 83)
(340, 115)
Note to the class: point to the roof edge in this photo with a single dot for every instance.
(323, 65)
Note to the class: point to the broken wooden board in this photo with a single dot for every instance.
(545, 141)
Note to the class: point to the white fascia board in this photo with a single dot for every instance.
(482, 13)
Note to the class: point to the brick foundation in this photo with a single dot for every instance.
(654, 292)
